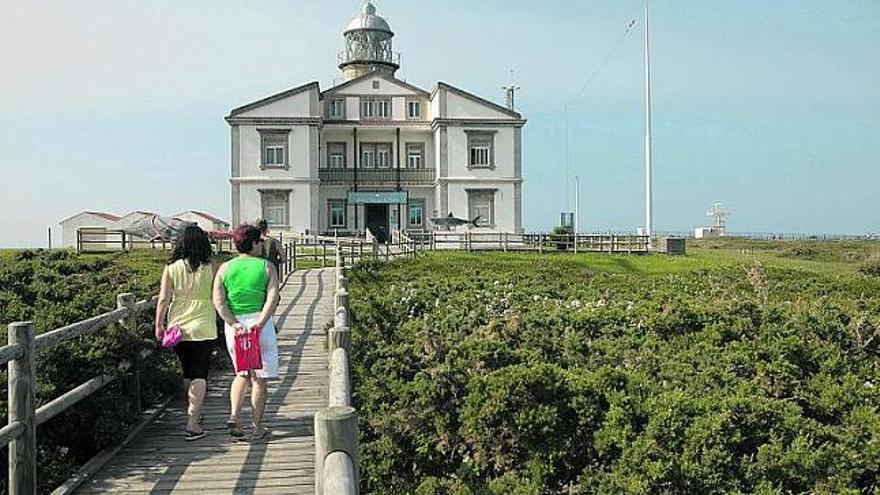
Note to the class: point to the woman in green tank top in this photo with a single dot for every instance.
(245, 295)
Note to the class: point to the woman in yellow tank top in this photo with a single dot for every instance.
(185, 300)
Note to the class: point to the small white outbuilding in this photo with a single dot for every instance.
(97, 219)
(205, 221)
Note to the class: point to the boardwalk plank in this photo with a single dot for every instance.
(159, 461)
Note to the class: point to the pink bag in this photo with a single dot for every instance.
(247, 351)
(172, 336)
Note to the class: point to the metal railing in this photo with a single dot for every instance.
(377, 175)
(20, 357)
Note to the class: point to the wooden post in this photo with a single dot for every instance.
(335, 431)
(342, 298)
(22, 450)
(506, 240)
(541, 243)
(129, 324)
(323, 255)
(360, 251)
(293, 257)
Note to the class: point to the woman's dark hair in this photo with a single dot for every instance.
(245, 236)
(193, 246)
(263, 226)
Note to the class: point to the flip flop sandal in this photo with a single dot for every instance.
(192, 436)
(254, 438)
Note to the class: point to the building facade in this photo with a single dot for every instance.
(375, 152)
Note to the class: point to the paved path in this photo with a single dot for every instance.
(159, 461)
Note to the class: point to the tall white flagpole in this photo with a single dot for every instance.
(648, 186)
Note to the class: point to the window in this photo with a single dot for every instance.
(416, 216)
(376, 155)
(274, 155)
(375, 108)
(368, 158)
(383, 155)
(336, 155)
(336, 213)
(368, 108)
(481, 203)
(375, 84)
(413, 109)
(336, 108)
(415, 153)
(275, 205)
(480, 149)
(384, 109)
(274, 148)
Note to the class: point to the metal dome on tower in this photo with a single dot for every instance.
(368, 45)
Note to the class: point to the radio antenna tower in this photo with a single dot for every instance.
(719, 213)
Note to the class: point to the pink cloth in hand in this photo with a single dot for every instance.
(248, 355)
(172, 336)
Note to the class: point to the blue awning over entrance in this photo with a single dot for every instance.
(378, 197)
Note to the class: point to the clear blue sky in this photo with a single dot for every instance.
(770, 107)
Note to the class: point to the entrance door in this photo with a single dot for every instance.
(377, 221)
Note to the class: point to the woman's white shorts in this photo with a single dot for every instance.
(268, 344)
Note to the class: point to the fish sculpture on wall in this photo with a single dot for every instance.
(451, 221)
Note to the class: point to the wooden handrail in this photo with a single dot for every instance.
(80, 328)
(10, 432)
(336, 438)
(20, 355)
(10, 352)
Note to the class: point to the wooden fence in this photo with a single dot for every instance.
(102, 240)
(20, 356)
(539, 242)
(336, 435)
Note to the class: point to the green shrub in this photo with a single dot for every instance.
(592, 374)
(871, 266)
(57, 288)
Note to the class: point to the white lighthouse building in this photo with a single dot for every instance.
(375, 152)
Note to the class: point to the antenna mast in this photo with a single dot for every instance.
(719, 213)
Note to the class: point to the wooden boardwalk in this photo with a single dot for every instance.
(159, 461)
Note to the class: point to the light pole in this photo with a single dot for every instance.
(648, 186)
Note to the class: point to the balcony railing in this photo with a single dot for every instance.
(377, 175)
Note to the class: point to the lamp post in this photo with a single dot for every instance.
(648, 186)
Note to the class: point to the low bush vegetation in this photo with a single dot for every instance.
(57, 288)
(871, 266)
(719, 372)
